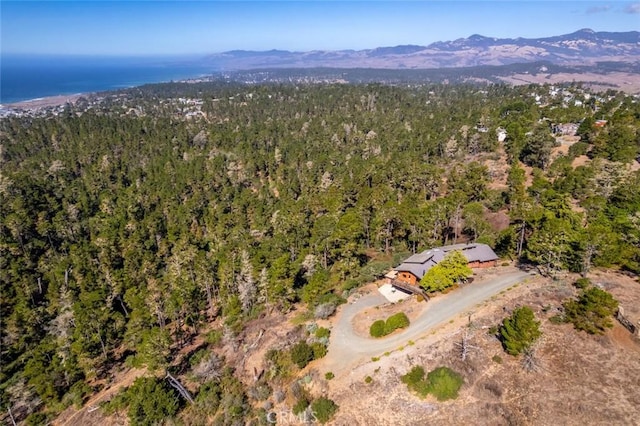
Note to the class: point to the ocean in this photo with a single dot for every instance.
(33, 77)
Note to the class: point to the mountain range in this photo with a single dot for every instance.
(579, 48)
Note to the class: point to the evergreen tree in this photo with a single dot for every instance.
(592, 311)
(519, 331)
(151, 401)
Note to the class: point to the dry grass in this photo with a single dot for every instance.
(90, 414)
(582, 379)
(626, 82)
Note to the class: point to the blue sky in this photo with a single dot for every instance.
(201, 27)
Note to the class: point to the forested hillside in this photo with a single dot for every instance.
(128, 224)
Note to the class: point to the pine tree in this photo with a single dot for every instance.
(592, 311)
(519, 331)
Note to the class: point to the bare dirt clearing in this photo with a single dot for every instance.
(583, 379)
(90, 414)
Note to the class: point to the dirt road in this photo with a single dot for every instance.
(347, 349)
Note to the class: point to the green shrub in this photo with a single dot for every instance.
(377, 329)
(497, 359)
(319, 350)
(350, 285)
(329, 375)
(415, 381)
(214, 337)
(300, 406)
(444, 383)
(331, 298)
(280, 363)
(582, 283)
(368, 379)
(414, 376)
(557, 319)
(395, 322)
(381, 328)
(301, 354)
(323, 409)
(322, 332)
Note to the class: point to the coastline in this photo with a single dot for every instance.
(45, 102)
(58, 100)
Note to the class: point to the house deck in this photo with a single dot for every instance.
(410, 288)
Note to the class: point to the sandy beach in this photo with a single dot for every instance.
(49, 101)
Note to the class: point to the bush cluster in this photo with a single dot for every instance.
(591, 311)
(322, 332)
(302, 353)
(443, 383)
(582, 283)
(382, 328)
(323, 409)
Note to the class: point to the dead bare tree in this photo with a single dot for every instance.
(253, 345)
(13, 421)
(178, 386)
(464, 346)
(209, 368)
(530, 362)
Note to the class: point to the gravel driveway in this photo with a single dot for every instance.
(346, 348)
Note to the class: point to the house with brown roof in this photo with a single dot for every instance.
(413, 269)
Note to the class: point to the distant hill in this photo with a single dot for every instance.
(579, 48)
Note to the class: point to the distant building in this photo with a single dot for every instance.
(600, 123)
(502, 134)
(565, 129)
(413, 269)
(482, 128)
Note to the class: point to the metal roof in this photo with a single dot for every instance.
(420, 263)
(419, 257)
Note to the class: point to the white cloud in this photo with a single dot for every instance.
(632, 8)
(598, 9)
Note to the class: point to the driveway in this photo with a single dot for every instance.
(347, 348)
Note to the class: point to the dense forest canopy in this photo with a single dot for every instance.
(130, 222)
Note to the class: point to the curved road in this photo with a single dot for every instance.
(347, 348)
